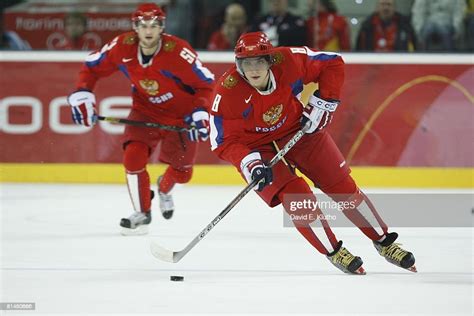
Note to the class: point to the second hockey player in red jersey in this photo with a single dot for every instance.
(170, 86)
(256, 110)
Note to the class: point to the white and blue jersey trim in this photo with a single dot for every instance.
(322, 56)
(202, 72)
(95, 59)
(217, 131)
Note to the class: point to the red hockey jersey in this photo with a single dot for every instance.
(243, 118)
(171, 85)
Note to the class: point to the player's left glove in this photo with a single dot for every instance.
(198, 122)
(318, 113)
(83, 107)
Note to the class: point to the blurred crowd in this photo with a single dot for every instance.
(425, 25)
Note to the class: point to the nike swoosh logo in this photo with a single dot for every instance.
(126, 60)
(248, 100)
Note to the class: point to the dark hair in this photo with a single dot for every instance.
(330, 5)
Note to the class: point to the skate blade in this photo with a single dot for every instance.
(140, 230)
(359, 271)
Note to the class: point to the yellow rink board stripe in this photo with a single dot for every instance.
(394, 177)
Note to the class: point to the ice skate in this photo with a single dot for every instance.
(342, 259)
(166, 202)
(136, 224)
(392, 252)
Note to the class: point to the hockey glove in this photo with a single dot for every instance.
(253, 167)
(318, 113)
(83, 107)
(198, 122)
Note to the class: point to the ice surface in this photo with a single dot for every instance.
(61, 248)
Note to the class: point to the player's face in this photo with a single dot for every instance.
(386, 9)
(149, 33)
(256, 71)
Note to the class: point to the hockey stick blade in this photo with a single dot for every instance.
(161, 253)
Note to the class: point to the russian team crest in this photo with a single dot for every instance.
(278, 58)
(130, 39)
(229, 82)
(169, 46)
(273, 114)
(151, 86)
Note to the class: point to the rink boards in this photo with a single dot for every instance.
(407, 116)
(394, 177)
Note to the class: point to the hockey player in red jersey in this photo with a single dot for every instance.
(169, 86)
(256, 110)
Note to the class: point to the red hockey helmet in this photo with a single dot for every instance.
(147, 12)
(252, 45)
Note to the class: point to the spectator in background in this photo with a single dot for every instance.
(211, 14)
(438, 23)
(235, 23)
(470, 25)
(326, 30)
(75, 35)
(282, 27)
(386, 30)
(181, 19)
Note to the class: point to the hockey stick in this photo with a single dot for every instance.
(174, 256)
(142, 124)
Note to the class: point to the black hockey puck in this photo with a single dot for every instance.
(176, 278)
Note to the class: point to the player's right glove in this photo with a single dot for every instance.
(83, 107)
(253, 167)
(198, 121)
(318, 113)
